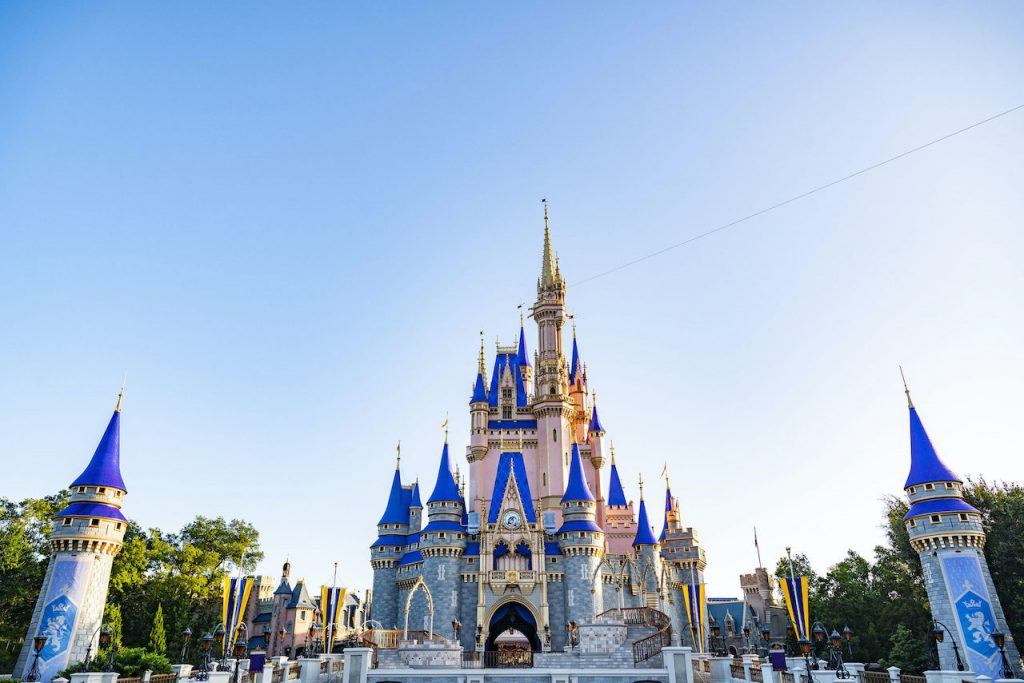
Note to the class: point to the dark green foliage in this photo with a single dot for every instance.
(157, 635)
(129, 662)
(909, 652)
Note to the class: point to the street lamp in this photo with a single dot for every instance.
(717, 644)
(186, 635)
(940, 632)
(456, 629)
(572, 635)
(805, 649)
(205, 645)
(834, 644)
(848, 637)
(281, 633)
(314, 634)
(766, 634)
(1000, 640)
(218, 636)
(241, 646)
(38, 643)
(108, 636)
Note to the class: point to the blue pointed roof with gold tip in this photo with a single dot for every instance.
(575, 366)
(397, 511)
(925, 464)
(576, 488)
(479, 390)
(616, 496)
(445, 490)
(523, 357)
(104, 469)
(668, 509)
(644, 535)
(595, 421)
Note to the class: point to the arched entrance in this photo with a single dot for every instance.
(513, 616)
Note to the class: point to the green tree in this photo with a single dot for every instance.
(157, 635)
(112, 621)
(908, 651)
(128, 661)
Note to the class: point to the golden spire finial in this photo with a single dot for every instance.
(613, 453)
(547, 266)
(398, 455)
(641, 487)
(445, 427)
(120, 395)
(906, 389)
(481, 366)
(664, 474)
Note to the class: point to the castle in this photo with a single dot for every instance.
(532, 545)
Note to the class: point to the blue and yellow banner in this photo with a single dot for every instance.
(236, 597)
(331, 600)
(796, 592)
(696, 608)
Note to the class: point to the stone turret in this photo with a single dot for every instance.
(388, 549)
(581, 542)
(442, 544)
(86, 536)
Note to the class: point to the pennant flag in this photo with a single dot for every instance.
(796, 592)
(696, 608)
(236, 597)
(331, 600)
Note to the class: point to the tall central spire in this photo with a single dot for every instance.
(547, 266)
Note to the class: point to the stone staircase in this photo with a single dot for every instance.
(620, 658)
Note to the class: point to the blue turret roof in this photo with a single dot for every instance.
(397, 511)
(925, 465)
(575, 366)
(479, 390)
(523, 358)
(644, 535)
(595, 421)
(936, 505)
(512, 361)
(105, 467)
(414, 496)
(668, 508)
(616, 496)
(576, 488)
(445, 489)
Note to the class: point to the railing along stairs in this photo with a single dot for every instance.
(648, 647)
(389, 639)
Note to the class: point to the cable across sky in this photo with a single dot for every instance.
(797, 197)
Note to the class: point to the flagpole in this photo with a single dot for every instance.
(760, 565)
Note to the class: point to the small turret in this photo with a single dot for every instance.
(581, 541)
(644, 533)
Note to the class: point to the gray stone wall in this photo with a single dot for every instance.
(580, 599)
(385, 598)
(444, 578)
(556, 613)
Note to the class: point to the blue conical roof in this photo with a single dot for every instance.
(668, 508)
(479, 390)
(414, 498)
(925, 465)
(595, 421)
(644, 535)
(524, 358)
(575, 366)
(576, 488)
(445, 489)
(105, 467)
(397, 511)
(616, 496)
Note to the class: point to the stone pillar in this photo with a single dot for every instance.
(721, 669)
(799, 674)
(748, 664)
(679, 662)
(357, 664)
(894, 674)
(182, 672)
(219, 677)
(146, 675)
(268, 673)
(310, 672)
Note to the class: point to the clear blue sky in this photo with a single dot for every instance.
(289, 223)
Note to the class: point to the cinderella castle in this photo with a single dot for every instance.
(536, 542)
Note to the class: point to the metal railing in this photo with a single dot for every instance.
(755, 675)
(788, 677)
(163, 678)
(736, 669)
(294, 670)
(874, 677)
(337, 665)
(498, 659)
(132, 679)
(909, 678)
(388, 639)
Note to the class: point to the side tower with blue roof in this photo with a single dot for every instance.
(86, 536)
(442, 544)
(948, 536)
(645, 548)
(685, 561)
(389, 549)
(581, 542)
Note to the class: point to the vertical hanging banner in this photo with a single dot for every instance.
(696, 608)
(331, 600)
(236, 597)
(972, 606)
(59, 620)
(797, 594)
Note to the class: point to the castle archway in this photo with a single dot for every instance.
(512, 616)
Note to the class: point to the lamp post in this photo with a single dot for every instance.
(1000, 640)
(572, 635)
(88, 647)
(205, 645)
(834, 645)
(766, 634)
(218, 637)
(186, 635)
(281, 633)
(313, 638)
(38, 643)
(848, 637)
(241, 647)
(940, 632)
(456, 629)
(746, 637)
(108, 636)
(717, 644)
(805, 649)
(547, 636)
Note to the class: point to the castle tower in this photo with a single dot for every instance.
(645, 546)
(552, 408)
(524, 359)
(595, 436)
(442, 543)
(948, 536)
(685, 561)
(620, 523)
(478, 431)
(581, 542)
(86, 536)
(387, 550)
(279, 617)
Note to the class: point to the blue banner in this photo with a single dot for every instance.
(58, 621)
(972, 606)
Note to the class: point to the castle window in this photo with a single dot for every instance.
(950, 486)
(94, 522)
(81, 489)
(102, 490)
(929, 487)
(119, 525)
(440, 534)
(506, 393)
(554, 435)
(67, 521)
(913, 490)
(936, 519)
(963, 517)
(544, 478)
(913, 522)
(506, 412)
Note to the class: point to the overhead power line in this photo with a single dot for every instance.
(797, 197)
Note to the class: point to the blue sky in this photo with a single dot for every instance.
(289, 224)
